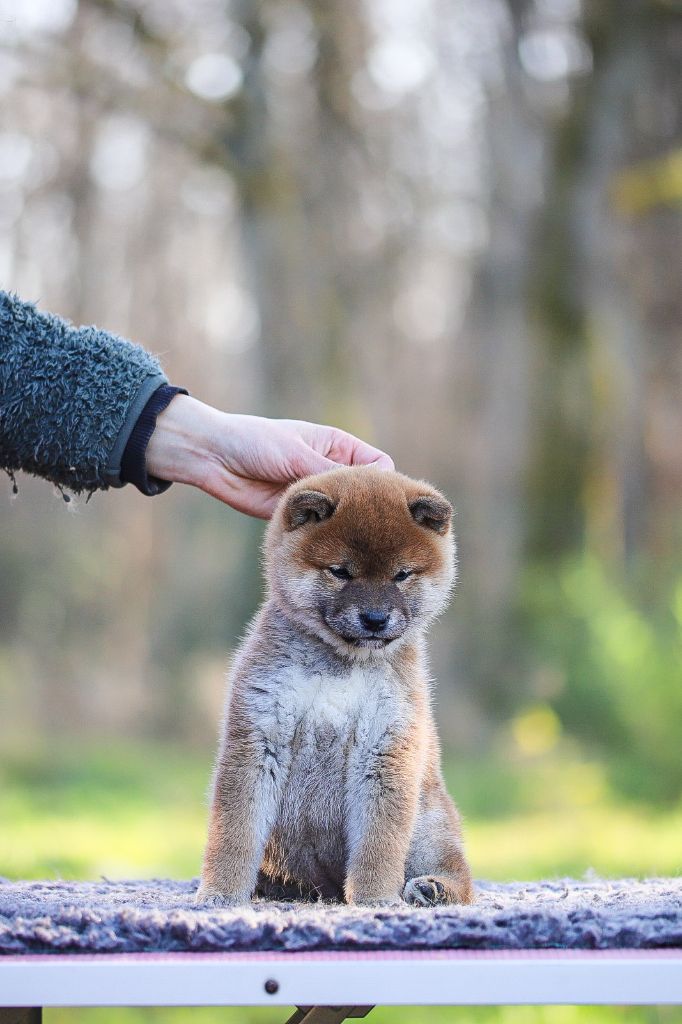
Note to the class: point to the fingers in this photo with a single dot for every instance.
(365, 455)
(306, 461)
(346, 450)
(382, 461)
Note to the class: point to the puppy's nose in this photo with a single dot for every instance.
(374, 620)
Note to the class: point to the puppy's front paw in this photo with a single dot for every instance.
(424, 891)
(361, 892)
(208, 895)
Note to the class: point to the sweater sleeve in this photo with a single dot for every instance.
(69, 397)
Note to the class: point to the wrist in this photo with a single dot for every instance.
(180, 448)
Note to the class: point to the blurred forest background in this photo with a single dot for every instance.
(452, 227)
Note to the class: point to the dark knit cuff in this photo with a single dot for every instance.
(134, 458)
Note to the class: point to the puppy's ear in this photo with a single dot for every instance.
(434, 513)
(308, 507)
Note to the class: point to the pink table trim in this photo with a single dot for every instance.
(349, 955)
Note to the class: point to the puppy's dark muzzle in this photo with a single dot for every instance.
(373, 621)
(367, 629)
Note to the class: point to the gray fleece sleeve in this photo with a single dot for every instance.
(69, 397)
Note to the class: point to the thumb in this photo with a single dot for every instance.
(305, 461)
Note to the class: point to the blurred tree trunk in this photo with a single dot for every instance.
(496, 393)
(294, 148)
(595, 308)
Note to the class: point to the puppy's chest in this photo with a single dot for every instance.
(309, 712)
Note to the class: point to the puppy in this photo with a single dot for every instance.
(328, 782)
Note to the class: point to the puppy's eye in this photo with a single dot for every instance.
(402, 575)
(339, 572)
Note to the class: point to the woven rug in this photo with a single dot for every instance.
(145, 916)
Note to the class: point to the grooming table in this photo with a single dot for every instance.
(145, 944)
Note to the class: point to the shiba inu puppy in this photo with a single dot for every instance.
(328, 781)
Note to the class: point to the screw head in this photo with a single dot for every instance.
(271, 986)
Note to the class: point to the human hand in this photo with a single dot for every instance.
(247, 461)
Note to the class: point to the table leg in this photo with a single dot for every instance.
(324, 1014)
(21, 1015)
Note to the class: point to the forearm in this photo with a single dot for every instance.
(67, 396)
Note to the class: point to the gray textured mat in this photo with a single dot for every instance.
(139, 916)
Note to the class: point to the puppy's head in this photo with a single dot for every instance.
(360, 557)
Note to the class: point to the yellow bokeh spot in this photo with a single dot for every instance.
(642, 187)
(536, 731)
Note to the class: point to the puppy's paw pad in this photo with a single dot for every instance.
(424, 891)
